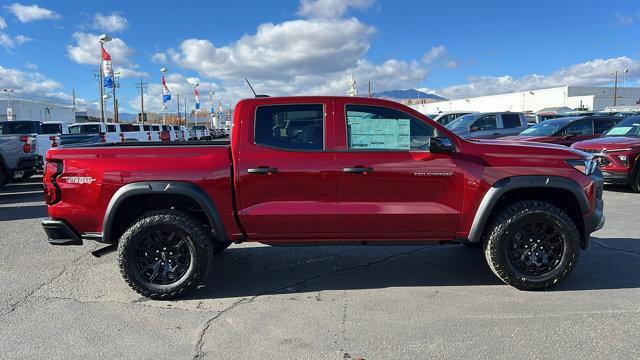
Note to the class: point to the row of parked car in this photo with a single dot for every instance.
(613, 138)
(24, 144)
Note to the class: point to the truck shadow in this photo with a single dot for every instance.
(23, 212)
(252, 271)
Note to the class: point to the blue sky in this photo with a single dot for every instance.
(453, 48)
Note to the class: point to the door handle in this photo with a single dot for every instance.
(358, 170)
(263, 170)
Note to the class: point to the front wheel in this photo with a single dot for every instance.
(165, 254)
(532, 245)
(635, 183)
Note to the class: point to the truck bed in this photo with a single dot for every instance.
(148, 143)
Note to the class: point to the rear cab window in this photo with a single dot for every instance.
(290, 127)
(51, 129)
(381, 128)
(84, 129)
(111, 128)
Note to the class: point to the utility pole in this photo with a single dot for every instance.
(178, 100)
(615, 90)
(115, 102)
(185, 111)
(73, 91)
(141, 87)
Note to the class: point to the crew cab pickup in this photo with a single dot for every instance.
(324, 171)
(617, 153)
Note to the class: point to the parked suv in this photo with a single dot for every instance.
(488, 125)
(617, 153)
(567, 130)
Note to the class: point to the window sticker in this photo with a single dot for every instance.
(388, 134)
(622, 130)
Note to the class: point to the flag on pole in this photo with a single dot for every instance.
(106, 69)
(166, 94)
(197, 96)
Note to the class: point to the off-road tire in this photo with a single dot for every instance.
(197, 240)
(504, 223)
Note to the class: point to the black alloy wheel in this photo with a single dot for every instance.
(163, 256)
(535, 246)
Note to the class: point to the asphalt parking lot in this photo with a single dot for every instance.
(317, 302)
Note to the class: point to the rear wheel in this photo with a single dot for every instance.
(165, 254)
(532, 245)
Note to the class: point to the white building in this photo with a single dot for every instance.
(575, 97)
(36, 110)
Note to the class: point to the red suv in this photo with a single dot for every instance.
(568, 130)
(618, 153)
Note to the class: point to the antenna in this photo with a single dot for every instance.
(253, 91)
(251, 87)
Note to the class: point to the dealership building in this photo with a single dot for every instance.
(574, 97)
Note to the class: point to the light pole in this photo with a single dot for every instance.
(9, 111)
(104, 38)
(213, 123)
(615, 88)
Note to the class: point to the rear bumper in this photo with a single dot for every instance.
(60, 233)
(29, 163)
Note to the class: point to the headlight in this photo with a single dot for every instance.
(585, 166)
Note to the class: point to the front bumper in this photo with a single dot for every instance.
(595, 220)
(60, 233)
(622, 178)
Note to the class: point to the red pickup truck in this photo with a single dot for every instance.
(324, 170)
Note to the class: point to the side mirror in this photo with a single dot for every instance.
(441, 145)
(569, 135)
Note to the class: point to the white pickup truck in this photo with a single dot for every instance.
(105, 132)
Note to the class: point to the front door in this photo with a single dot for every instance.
(286, 172)
(388, 183)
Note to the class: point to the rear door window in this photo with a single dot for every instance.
(510, 121)
(582, 127)
(381, 128)
(486, 122)
(600, 126)
(295, 127)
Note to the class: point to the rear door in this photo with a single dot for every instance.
(511, 124)
(389, 186)
(286, 171)
(485, 127)
(577, 131)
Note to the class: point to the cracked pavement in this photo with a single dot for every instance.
(317, 302)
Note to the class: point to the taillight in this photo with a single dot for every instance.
(26, 147)
(103, 137)
(53, 141)
(52, 193)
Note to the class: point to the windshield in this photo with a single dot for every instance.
(545, 128)
(628, 127)
(461, 122)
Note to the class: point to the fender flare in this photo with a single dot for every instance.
(162, 187)
(505, 185)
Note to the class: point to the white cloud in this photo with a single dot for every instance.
(624, 20)
(30, 83)
(27, 13)
(330, 8)
(596, 72)
(31, 66)
(130, 72)
(110, 23)
(8, 41)
(280, 51)
(3, 23)
(439, 56)
(159, 58)
(86, 50)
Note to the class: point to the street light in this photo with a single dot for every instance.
(104, 38)
(9, 111)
